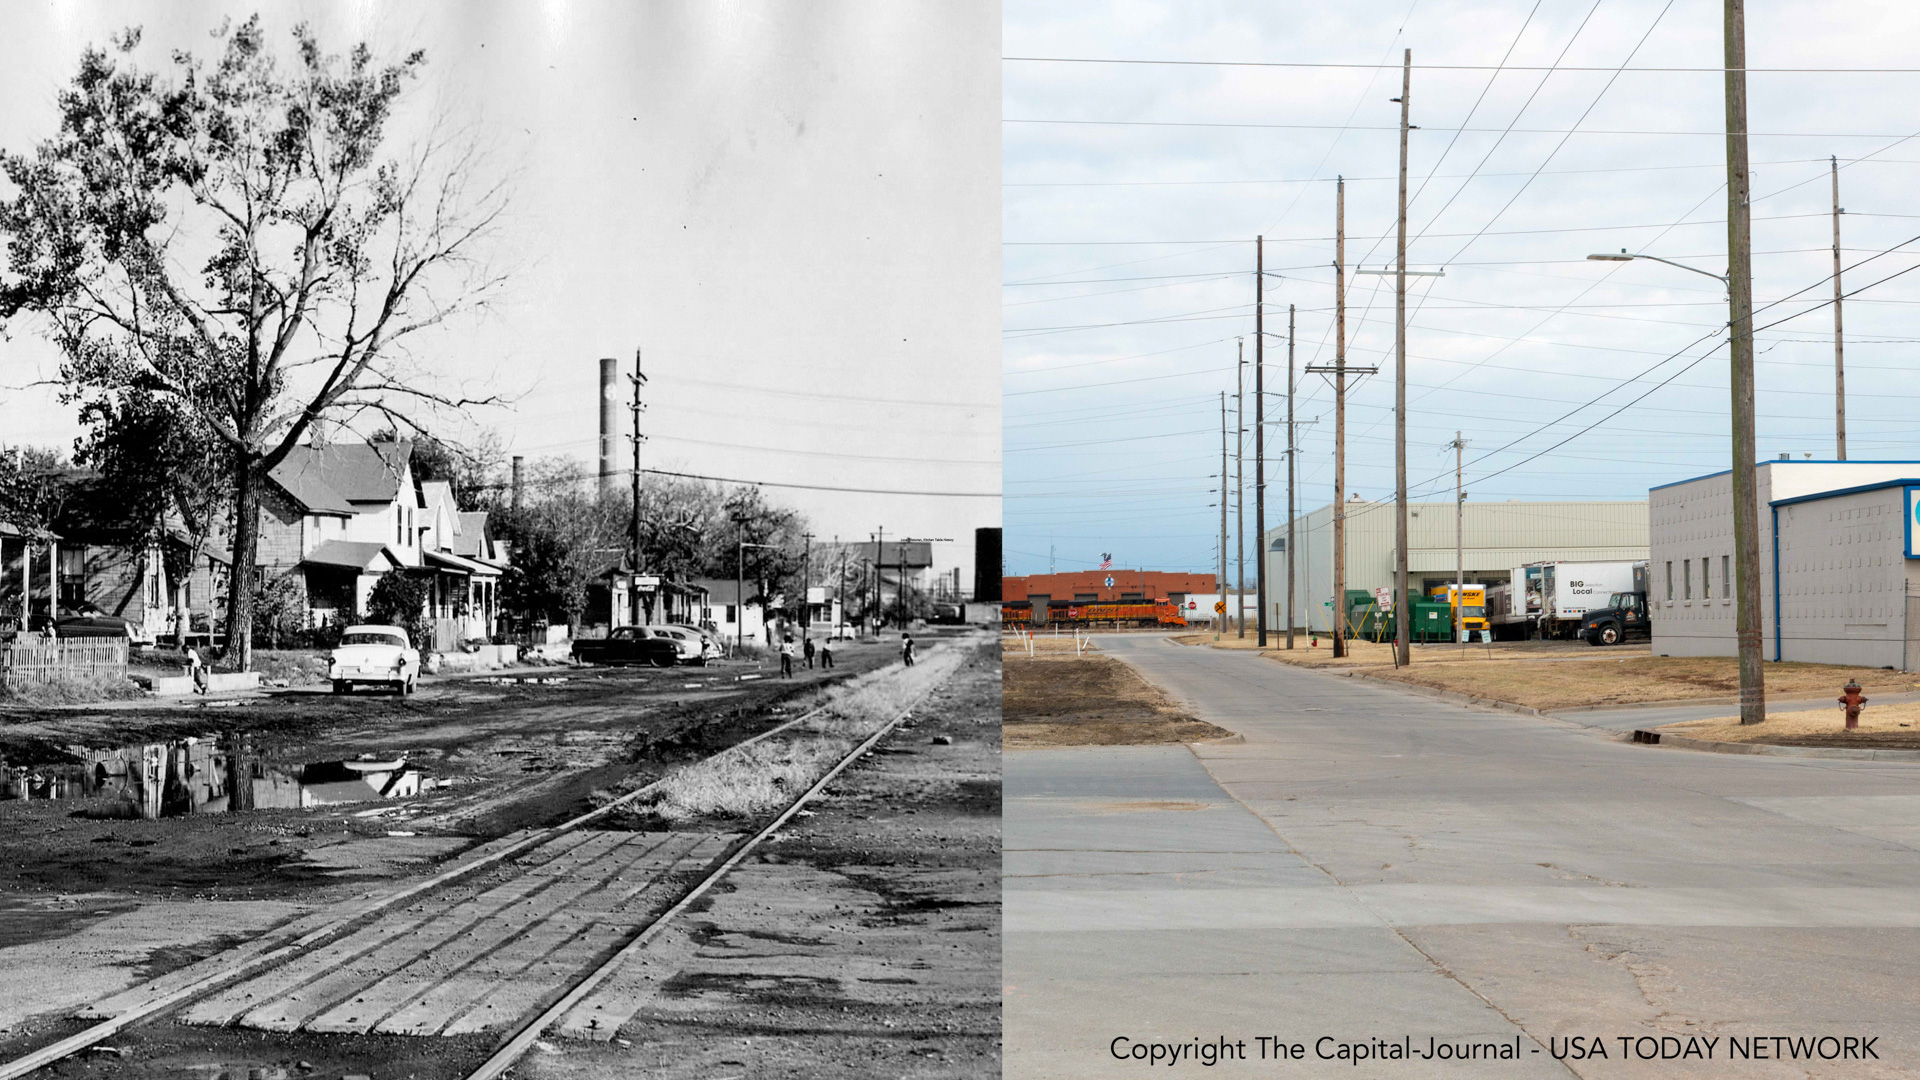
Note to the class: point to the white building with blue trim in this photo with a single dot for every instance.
(1837, 563)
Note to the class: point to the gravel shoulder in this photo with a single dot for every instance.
(863, 941)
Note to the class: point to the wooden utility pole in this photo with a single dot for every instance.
(1292, 447)
(1240, 486)
(638, 379)
(1746, 510)
(1459, 445)
(1402, 605)
(806, 583)
(1340, 370)
(1259, 438)
(1220, 617)
(1839, 367)
(1340, 417)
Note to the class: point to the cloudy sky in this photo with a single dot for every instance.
(791, 206)
(1132, 193)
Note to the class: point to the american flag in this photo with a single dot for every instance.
(1106, 561)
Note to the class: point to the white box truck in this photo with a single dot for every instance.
(1549, 599)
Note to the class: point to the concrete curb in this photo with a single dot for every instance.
(1712, 746)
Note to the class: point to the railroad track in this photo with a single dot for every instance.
(538, 930)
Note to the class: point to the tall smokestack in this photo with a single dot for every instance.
(519, 481)
(609, 423)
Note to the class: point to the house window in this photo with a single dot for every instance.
(1706, 578)
(399, 526)
(730, 616)
(1669, 582)
(1726, 575)
(1686, 580)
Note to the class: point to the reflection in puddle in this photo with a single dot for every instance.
(192, 776)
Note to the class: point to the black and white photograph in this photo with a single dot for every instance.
(500, 539)
(1462, 610)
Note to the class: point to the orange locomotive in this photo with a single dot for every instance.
(1114, 613)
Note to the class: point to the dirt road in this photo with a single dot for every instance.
(163, 894)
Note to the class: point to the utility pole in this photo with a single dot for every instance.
(1459, 445)
(806, 583)
(1292, 448)
(1403, 643)
(880, 577)
(1746, 511)
(1340, 370)
(1220, 617)
(1839, 368)
(1340, 417)
(638, 379)
(1259, 436)
(1240, 485)
(519, 480)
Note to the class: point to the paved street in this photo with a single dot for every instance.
(1369, 864)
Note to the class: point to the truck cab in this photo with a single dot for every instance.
(1625, 617)
(1470, 606)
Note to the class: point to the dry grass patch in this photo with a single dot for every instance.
(1015, 648)
(70, 690)
(1615, 680)
(1881, 727)
(750, 781)
(1089, 701)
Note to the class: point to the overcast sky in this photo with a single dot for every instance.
(1128, 262)
(791, 206)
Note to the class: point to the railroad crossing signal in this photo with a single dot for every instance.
(1220, 606)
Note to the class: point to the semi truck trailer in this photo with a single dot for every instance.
(1551, 599)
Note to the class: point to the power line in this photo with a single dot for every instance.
(1451, 67)
(1432, 130)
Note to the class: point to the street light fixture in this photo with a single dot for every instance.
(1624, 257)
(1748, 635)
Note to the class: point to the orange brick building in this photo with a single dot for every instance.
(1091, 586)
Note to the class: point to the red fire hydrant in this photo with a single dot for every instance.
(1852, 702)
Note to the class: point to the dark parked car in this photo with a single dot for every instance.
(628, 645)
(93, 626)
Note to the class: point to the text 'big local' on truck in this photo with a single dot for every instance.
(1551, 600)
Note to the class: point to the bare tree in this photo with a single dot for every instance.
(236, 242)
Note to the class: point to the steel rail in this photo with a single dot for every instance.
(341, 926)
(495, 1067)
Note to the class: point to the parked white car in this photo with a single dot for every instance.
(692, 645)
(374, 655)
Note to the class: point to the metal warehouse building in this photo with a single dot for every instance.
(1836, 538)
(1497, 537)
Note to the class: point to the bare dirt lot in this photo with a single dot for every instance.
(1882, 727)
(1059, 699)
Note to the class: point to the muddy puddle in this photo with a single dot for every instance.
(208, 775)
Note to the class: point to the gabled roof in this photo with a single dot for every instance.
(914, 554)
(722, 590)
(353, 555)
(330, 478)
(437, 493)
(461, 563)
(473, 540)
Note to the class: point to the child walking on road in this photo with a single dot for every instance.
(809, 652)
(786, 658)
(826, 654)
(906, 648)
